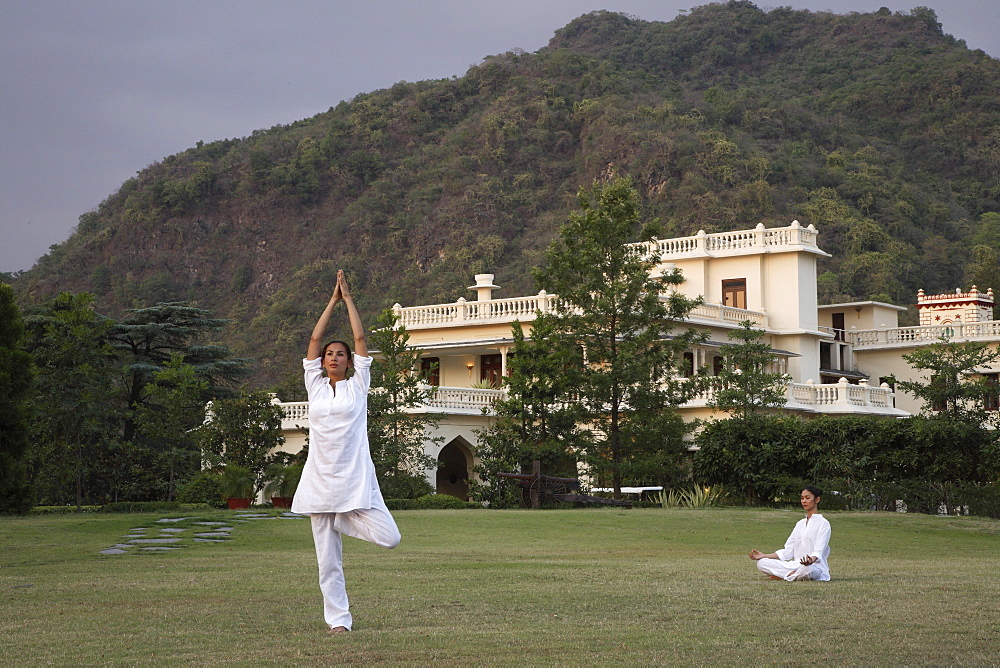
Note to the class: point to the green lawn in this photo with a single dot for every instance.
(580, 587)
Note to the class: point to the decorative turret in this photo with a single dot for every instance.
(955, 308)
(484, 287)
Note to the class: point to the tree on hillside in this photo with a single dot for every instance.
(625, 320)
(396, 434)
(16, 374)
(983, 271)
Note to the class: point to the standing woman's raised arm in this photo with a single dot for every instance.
(319, 331)
(360, 340)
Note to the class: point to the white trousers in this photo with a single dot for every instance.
(787, 570)
(374, 525)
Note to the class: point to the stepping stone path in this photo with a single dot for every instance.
(193, 529)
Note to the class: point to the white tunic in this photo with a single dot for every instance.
(338, 475)
(809, 538)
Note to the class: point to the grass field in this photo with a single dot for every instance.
(580, 587)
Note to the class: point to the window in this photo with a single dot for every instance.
(430, 370)
(825, 355)
(992, 402)
(734, 292)
(687, 367)
(838, 326)
(490, 369)
(717, 365)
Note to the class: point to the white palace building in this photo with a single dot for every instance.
(837, 356)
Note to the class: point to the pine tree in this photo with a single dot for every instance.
(625, 319)
(745, 384)
(396, 432)
(537, 420)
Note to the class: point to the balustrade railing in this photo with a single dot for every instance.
(462, 311)
(295, 413)
(923, 334)
(728, 314)
(524, 308)
(739, 240)
(826, 397)
(463, 398)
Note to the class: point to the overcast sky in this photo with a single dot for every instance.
(92, 91)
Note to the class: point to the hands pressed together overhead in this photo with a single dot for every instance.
(341, 291)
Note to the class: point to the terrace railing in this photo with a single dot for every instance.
(465, 312)
(922, 334)
(728, 314)
(840, 397)
(523, 309)
(759, 238)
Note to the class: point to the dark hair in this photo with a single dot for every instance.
(815, 491)
(350, 355)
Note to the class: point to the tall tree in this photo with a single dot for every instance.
(76, 380)
(537, 419)
(746, 384)
(170, 413)
(148, 337)
(16, 374)
(398, 424)
(625, 318)
(952, 387)
(241, 431)
(950, 441)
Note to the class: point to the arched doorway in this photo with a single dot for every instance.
(453, 469)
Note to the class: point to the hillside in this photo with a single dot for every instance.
(879, 129)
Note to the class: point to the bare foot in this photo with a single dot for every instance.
(338, 629)
(774, 577)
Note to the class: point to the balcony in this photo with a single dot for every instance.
(809, 397)
(523, 309)
(716, 314)
(740, 242)
(828, 398)
(903, 337)
(296, 414)
(463, 312)
(462, 400)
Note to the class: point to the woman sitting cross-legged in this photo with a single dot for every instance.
(805, 554)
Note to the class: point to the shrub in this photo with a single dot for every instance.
(695, 497)
(430, 502)
(404, 486)
(60, 510)
(754, 457)
(139, 506)
(203, 488)
(401, 504)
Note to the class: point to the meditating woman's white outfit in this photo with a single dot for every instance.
(809, 538)
(338, 488)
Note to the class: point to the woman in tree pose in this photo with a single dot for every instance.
(338, 489)
(806, 550)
